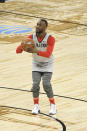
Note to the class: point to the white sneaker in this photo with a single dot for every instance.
(52, 109)
(36, 109)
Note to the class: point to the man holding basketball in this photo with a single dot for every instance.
(42, 64)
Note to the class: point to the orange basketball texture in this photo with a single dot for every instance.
(27, 44)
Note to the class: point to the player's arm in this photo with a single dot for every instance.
(50, 46)
(19, 48)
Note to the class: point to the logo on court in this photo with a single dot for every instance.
(15, 29)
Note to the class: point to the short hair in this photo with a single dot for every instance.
(44, 20)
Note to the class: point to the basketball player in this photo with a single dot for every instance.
(42, 64)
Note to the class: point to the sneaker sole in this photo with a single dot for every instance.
(36, 113)
(52, 113)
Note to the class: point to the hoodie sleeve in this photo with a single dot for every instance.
(50, 47)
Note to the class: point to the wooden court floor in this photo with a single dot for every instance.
(68, 24)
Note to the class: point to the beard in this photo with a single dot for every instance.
(38, 32)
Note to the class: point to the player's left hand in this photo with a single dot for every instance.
(33, 50)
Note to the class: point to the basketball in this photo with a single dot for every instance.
(27, 44)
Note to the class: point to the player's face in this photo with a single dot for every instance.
(40, 27)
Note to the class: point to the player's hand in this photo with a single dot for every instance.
(33, 50)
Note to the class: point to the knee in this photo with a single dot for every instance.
(47, 86)
(35, 86)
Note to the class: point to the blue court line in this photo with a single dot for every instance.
(22, 31)
(12, 27)
(2, 27)
(17, 32)
(8, 27)
(5, 28)
(17, 29)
